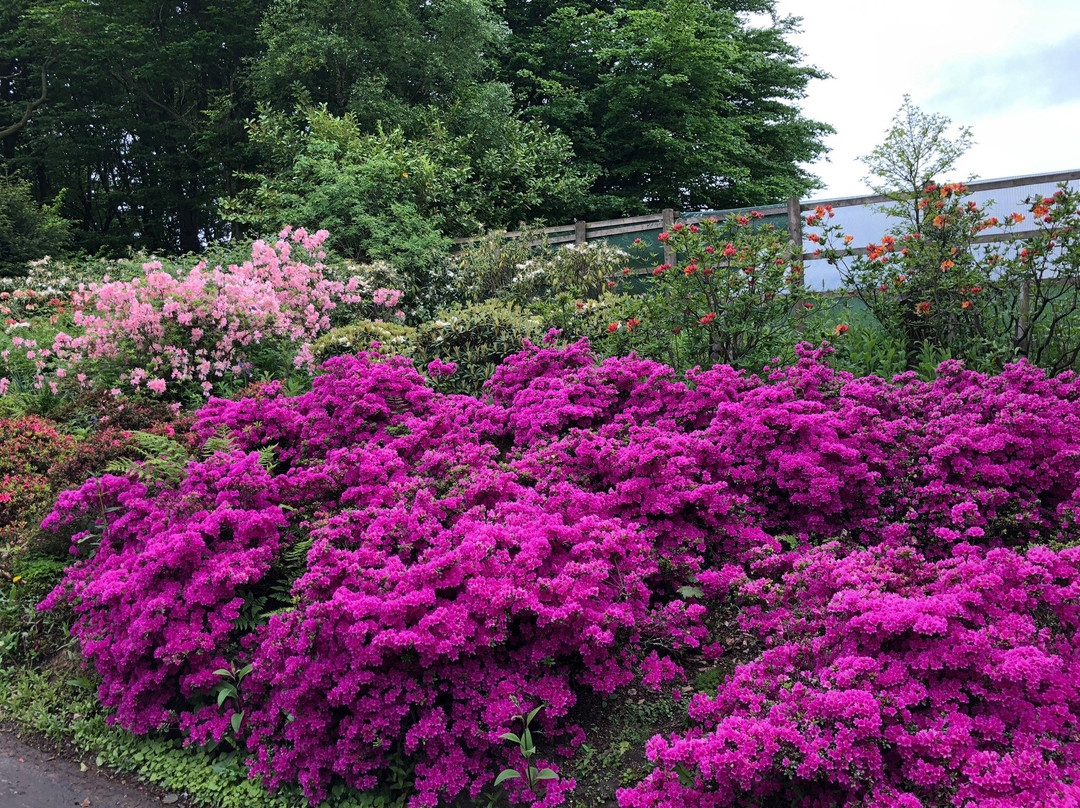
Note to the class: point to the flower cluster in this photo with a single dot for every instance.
(398, 566)
(890, 679)
(181, 333)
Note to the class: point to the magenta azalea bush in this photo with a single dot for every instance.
(398, 566)
(890, 680)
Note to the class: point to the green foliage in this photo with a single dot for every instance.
(160, 459)
(28, 230)
(27, 636)
(676, 103)
(386, 195)
(532, 775)
(392, 338)
(488, 264)
(382, 62)
(140, 124)
(476, 338)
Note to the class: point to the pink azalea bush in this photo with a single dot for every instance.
(173, 332)
(457, 554)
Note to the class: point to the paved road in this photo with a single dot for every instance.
(33, 779)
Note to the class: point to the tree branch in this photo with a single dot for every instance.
(31, 106)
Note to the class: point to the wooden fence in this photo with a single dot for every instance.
(580, 231)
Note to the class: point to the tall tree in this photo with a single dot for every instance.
(143, 116)
(916, 150)
(683, 103)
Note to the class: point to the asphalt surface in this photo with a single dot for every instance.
(30, 778)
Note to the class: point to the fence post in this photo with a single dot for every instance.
(667, 221)
(580, 228)
(794, 227)
(795, 245)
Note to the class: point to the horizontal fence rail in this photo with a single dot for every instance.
(581, 232)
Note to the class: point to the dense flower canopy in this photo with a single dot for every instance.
(397, 566)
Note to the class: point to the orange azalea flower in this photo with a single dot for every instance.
(841, 329)
(945, 265)
(922, 308)
(966, 304)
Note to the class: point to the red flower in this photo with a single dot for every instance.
(612, 328)
(841, 329)
(708, 318)
(664, 236)
(923, 307)
(690, 269)
(632, 323)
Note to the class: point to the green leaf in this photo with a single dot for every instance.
(509, 736)
(507, 774)
(222, 672)
(547, 774)
(236, 719)
(691, 592)
(532, 715)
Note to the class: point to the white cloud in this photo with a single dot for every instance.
(1004, 68)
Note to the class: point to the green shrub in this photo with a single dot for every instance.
(476, 338)
(28, 230)
(365, 335)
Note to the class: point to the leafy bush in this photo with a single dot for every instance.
(28, 230)
(28, 447)
(732, 296)
(938, 290)
(475, 339)
(365, 335)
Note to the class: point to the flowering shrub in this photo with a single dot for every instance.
(28, 446)
(891, 680)
(183, 333)
(728, 297)
(398, 565)
(938, 288)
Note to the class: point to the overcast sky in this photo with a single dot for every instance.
(1009, 70)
